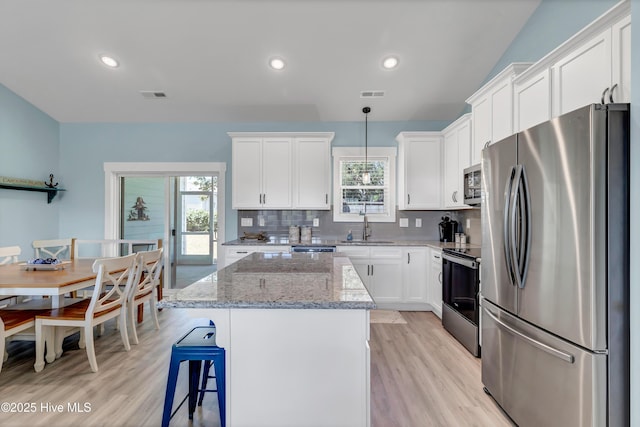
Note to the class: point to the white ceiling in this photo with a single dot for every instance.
(210, 57)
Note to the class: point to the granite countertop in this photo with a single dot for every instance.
(320, 241)
(285, 280)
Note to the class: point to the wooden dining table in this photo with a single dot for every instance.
(17, 280)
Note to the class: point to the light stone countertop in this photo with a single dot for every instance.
(284, 280)
(319, 241)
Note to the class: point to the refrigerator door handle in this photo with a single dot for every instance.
(542, 346)
(521, 217)
(508, 188)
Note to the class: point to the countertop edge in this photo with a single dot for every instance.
(268, 305)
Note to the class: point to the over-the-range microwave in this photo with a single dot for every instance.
(472, 176)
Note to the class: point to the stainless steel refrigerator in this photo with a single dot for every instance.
(555, 270)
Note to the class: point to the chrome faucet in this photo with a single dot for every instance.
(366, 230)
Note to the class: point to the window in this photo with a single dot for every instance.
(352, 198)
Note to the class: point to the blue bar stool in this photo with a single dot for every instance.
(196, 346)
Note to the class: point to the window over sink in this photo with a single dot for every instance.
(352, 197)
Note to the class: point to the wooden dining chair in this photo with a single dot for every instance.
(57, 248)
(114, 278)
(12, 323)
(9, 255)
(145, 288)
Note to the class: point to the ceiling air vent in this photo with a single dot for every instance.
(372, 94)
(153, 94)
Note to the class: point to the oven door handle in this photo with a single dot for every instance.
(466, 262)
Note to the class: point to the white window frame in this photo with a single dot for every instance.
(357, 153)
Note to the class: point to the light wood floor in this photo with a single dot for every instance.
(420, 376)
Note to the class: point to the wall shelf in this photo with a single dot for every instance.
(25, 185)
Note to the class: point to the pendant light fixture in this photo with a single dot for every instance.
(366, 177)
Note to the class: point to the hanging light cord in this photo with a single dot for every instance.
(366, 111)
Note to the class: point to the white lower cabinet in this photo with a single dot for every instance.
(395, 276)
(435, 281)
(233, 253)
(414, 274)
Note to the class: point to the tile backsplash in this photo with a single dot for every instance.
(277, 222)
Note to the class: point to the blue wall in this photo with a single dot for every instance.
(85, 147)
(30, 145)
(552, 23)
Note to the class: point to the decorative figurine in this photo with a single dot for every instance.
(137, 213)
(50, 184)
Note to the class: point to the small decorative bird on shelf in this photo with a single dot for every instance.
(50, 184)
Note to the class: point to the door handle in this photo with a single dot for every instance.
(604, 94)
(368, 270)
(520, 204)
(542, 346)
(372, 270)
(264, 199)
(408, 257)
(326, 199)
(408, 199)
(506, 224)
(611, 92)
(440, 277)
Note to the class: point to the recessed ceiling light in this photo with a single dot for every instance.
(390, 62)
(109, 61)
(276, 63)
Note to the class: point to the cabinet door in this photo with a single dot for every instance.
(435, 282)
(481, 118)
(386, 280)
(581, 77)
(246, 178)
(502, 111)
(312, 173)
(451, 170)
(423, 173)
(532, 101)
(277, 173)
(415, 276)
(621, 60)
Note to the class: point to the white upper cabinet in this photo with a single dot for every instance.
(492, 110)
(457, 157)
(591, 67)
(581, 77)
(312, 183)
(532, 100)
(280, 170)
(419, 170)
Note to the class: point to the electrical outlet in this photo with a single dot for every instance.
(316, 222)
(468, 222)
(260, 221)
(404, 222)
(418, 222)
(246, 222)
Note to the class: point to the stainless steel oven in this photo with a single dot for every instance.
(460, 288)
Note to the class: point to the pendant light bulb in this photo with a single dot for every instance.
(366, 177)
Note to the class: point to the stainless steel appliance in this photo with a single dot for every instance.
(312, 248)
(472, 185)
(555, 270)
(460, 287)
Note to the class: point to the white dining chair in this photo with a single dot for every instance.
(56, 248)
(12, 323)
(9, 255)
(145, 288)
(114, 279)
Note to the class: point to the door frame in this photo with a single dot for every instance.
(113, 171)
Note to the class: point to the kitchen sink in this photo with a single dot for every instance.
(366, 242)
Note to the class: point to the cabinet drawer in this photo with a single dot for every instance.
(386, 252)
(354, 251)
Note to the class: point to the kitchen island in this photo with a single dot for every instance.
(296, 330)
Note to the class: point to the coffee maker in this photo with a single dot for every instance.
(448, 229)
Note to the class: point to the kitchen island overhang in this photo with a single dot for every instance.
(296, 330)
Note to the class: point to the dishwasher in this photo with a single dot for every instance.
(313, 248)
